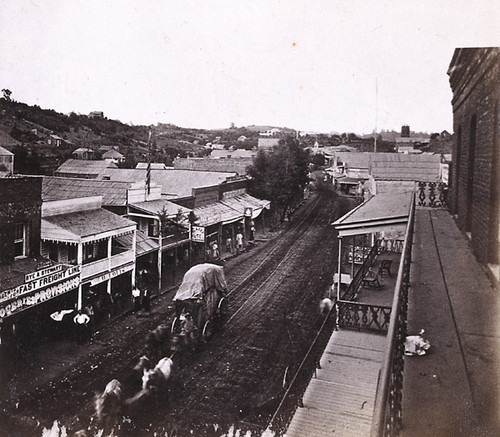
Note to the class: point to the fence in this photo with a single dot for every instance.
(387, 416)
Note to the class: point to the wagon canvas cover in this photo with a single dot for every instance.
(199, 279)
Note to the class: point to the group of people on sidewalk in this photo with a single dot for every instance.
(213, 251)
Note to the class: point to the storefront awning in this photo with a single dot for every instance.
(144, 245)
(383, 212)
(215, 213)
(243, 202)
(154, 207)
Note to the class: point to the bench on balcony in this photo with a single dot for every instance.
(371, 280)
(385, 267)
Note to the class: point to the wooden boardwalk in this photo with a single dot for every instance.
(339, 401)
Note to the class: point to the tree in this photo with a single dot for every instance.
(6, 94)
(171, 225)
(281, 176)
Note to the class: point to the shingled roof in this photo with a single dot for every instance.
(401, 167)
(83, 168)
(60, 188)
(78, 226)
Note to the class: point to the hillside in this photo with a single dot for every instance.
(42, 139)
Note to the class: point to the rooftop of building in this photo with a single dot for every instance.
(87, 167)
(174, 183)
(77, 226)
(59, 188)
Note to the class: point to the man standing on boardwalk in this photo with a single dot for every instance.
(136, 295)
(81, 321)
(239, 242)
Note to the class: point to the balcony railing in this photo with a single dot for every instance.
(363, 316)
(305, 371)
(432, 194)
(387, 416)
(103, 265)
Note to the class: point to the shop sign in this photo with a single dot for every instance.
(111, 275)
(28, 277)
(38, 297)
(38, 283)
(198, 234)
(248, 212)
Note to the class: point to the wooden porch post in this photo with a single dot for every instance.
(353, 252)
(160, 249)
(338, 270)
(79, 261)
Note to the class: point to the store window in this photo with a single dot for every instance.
(72, 254)
(20, 240)
(88, 252)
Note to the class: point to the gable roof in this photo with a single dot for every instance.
(83, 167)
(112, 153)
(59, 188)
(5, 152)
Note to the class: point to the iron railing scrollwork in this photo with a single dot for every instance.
(432, 194)
(292, 398)
(388, 412)
(363, 316)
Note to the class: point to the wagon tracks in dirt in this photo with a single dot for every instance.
(255, 342)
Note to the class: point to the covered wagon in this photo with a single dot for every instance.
(202, 295)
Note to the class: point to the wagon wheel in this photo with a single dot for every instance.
(207, 330)
(287, 377)
(222, 311)
(175, 328)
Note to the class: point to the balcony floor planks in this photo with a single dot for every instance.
(340, 398)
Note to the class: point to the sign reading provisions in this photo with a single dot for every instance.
(198, 234)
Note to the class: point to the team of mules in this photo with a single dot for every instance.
(165, 349)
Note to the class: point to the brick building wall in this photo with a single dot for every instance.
(20, 202)
(474, 193)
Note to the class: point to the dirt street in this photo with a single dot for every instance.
(231, 383)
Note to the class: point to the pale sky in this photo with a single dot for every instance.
(308, 65)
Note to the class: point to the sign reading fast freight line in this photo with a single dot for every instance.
(37, 297)
(38, 283)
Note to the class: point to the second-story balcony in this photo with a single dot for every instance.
(107, 264)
